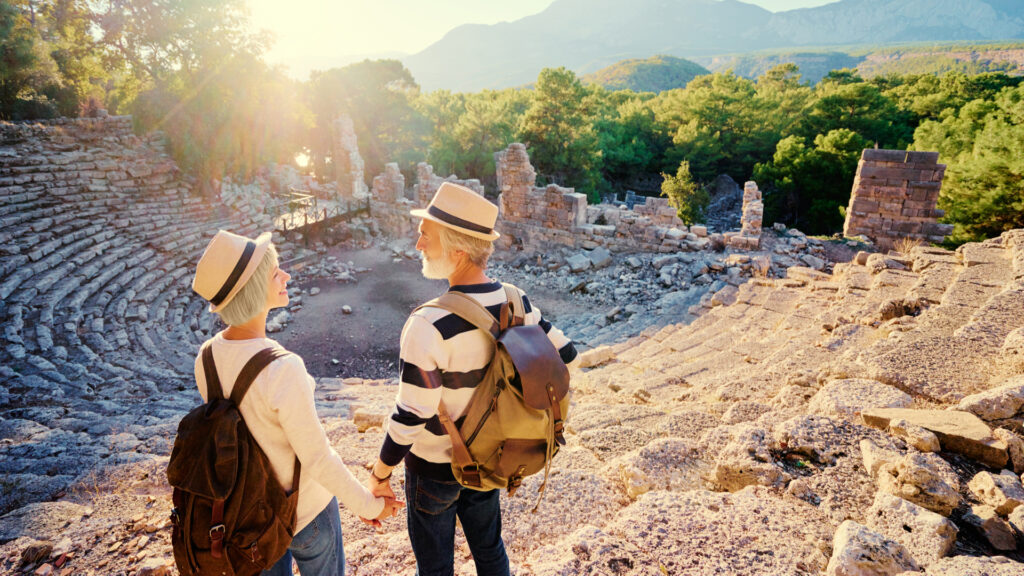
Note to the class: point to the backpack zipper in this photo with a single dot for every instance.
(494, 405)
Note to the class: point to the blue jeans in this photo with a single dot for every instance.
(316, 548)
(431, 508)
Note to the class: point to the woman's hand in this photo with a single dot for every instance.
(391, 508)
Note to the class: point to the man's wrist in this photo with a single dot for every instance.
(378, 479)
(385, 472)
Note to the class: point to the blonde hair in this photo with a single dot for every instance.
(252, 298)
(477, 250)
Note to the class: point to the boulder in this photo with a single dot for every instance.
(997, 531)
(917, 479)
(1001, 491)
(926, 535)
(1014, 446)
(153, 566)
(858, 551)
(364, 419)
(600, 257)
(700, 231)
(960, 432)
(848, 397)
(745, 460)
(996, 403)
(578, 263)
(596, 356)
(1016, 519)
(875, 456)
(916, 436)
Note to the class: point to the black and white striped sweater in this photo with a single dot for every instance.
(443, 357)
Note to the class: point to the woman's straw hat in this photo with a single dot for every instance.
(462, 210)
(227, 264)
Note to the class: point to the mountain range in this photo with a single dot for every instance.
(587, 35)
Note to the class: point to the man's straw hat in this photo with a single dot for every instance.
(227, 264)
(462, 210)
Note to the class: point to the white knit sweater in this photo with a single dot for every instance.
(280, 413)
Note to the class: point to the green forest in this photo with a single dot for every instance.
(194, 70)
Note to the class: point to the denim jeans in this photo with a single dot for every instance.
(431, 508)
(316, 548)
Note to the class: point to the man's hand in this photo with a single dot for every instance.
(381, 489)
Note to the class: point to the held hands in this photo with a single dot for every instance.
(381, 488)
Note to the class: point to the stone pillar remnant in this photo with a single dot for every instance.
(894, 197)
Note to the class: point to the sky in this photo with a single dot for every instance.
(320, 34)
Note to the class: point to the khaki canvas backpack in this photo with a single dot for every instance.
(514, 422)
(231, 516)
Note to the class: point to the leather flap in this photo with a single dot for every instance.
(538, 364)
(204, 460)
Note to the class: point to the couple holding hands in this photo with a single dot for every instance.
(442, 358)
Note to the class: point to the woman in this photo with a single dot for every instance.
(242, 281)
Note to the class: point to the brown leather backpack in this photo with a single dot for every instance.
(514, 422)
(231, 516)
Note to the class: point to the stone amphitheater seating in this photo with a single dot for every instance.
(98, 236)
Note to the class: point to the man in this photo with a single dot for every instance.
(443, 357)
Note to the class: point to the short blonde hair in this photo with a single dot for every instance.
(252, 298)
(477, 250)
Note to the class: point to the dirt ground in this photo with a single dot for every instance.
(365, 342)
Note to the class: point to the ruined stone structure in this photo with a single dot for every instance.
(749, 236)
(556, 216)
(894, 196)
(348, 163)
(427, 183)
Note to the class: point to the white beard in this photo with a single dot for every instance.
(437, 269)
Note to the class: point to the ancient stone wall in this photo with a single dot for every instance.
(749, 236)
(427, 183)
(894, 196)
(348, 163)
(535, 218)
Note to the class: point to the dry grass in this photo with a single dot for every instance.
(905, 245)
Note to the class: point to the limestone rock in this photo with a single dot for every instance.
(600, 257)
(1014, 446)
(364, 419)
(849, 397)
(36, 551)
(578, 262)
(915, 479)
(1016, 519)
(918, 437)
(153, 566)
(596, 356)
(746, 460)
(975, 566)
(996, 403)
(314, 291)
(1001, 491)
(960, 432)
(41, 520)
(996, 530)
(875, 456)
(926, 535)
(857, 551)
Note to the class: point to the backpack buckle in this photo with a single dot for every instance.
(471, 475)
(217, 532)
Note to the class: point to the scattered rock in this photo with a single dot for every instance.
(578, 263)
(1001, 491)
(996, 403)
(746, 461)
(914, 478)
(960, 432)
(996, 530)
(314, 291)
(975, 566)
(346, 309)
(927, 535)
(153, 566)
(857, 551)
(600, 257)
(1014, 446)
(875, 456)
(596, 356)
(918, 437)
(36, 551)
(364, 419)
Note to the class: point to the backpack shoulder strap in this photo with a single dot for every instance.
(214, 391)
(251, 370)
(467, 308)
(515, 302)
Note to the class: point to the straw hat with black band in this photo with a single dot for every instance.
(227, 264)
(462, 210)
